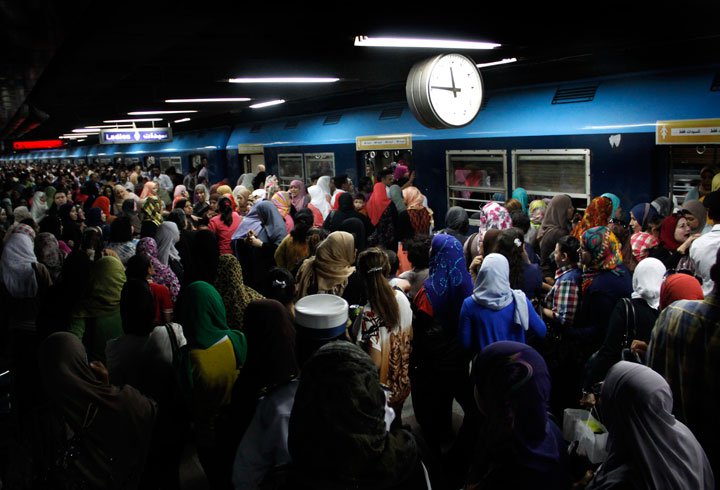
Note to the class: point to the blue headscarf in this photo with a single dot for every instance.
(265, 222)
(616, 203)
(448, 282)
(521, 195)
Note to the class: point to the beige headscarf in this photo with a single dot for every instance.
(330, 267)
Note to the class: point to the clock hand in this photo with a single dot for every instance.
(451, 89)
(452, 81)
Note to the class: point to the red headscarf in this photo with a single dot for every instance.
(103, 203)
(667, 233)
(679, 286)
(378, 203)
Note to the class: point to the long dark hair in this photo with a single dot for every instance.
(374, 267)
(510, 244)
(225, 209)
(303, 223)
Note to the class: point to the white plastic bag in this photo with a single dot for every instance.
(590, 444)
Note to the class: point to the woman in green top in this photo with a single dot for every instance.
(97, 318)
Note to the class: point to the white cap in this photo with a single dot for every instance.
(322, 313)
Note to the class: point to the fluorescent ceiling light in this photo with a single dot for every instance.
(153, 113)
(184, 119)
(72, 136)
(284, 80)
(407, 42)
(267, 104)
(105, 126)
(86, 130)
(493, 63)
(225, 99)
(133, 120)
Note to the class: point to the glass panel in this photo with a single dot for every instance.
(290, 167)
(474, 178)
(319, 164)
(551, 174)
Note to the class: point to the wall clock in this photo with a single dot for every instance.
(444, 91)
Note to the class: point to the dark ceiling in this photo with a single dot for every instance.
(68, 66)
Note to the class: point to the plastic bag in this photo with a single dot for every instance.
(579, 425)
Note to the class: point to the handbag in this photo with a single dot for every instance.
(627, 354)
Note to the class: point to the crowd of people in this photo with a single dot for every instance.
(280, 328)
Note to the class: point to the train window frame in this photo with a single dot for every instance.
(452, 156)
(555, 154)
(325, 156)
(284, 178)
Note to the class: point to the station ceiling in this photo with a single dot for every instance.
(67, 65)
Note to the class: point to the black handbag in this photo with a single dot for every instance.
(627, 354)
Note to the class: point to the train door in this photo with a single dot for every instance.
(686, 162)
(375, 153)
(475, 177)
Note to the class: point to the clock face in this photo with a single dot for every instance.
(445, 91)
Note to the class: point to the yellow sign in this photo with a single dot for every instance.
(688, 132)
(250, 149)
(384, 142)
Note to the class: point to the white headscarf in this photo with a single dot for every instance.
(39, 209)
(647, 278)
(245, 180)
(492, 289)
(324, 184)
(317, 199)
(647, 447)
(166, 237)
(17, 274)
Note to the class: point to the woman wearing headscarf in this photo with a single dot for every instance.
(555, 225)
(246, 181)
(493, 216)
(167, 236)
(39, 206)
(457, 223)
(339, 435)
(318, 205)
(265, 391)
(201, 198)
(605, 280)
(438, 364)
(331, 270)
(536, 211)
(122, 194)
(696, 216)
(494, 311)
(616, 209)
(162, 274)
(242, 199)
(521, 195)
(294, 247)
(598, 213)
(663, 205)
(97, 317)
(113, 423)
(150, 189)
(208, 372)
(357, 229)
(403, 227)
(641, 215)
(520, 446)
(130, 210)
(679, 286)
(236, 296)
(630, 320)
(298, 194)
(283, 203)
(324, 184)
(103, 203)
(420, 216)
(707, 174)
(346, 210)
(256, 240)
(180, 192)
(675, 240)
(152, 210)
(523, 275)
(383, 216)
(641, 243)
(224, 225)
(647, 447)
(48, 253)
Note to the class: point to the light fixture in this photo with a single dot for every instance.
(284, 80)
(407, 42)
(222, 99)
(184, 119)
(133, 120)
(86, 130)
(153, 113)
(105, 126)
(503, 61)
(267, 104)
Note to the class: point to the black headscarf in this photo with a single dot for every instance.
(457, 223)
(337, 435)
(355, 226)
(345, 211)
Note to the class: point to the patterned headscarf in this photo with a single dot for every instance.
(641, 243)
(163, 274)
(235, 294)
(536, 219)
(152, 208)
(448, 282)
(282, 202)
(598, 213)
(604, 248)
(493, 215)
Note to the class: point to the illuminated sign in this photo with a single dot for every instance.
(138, 135)
(384, 142)
(37, 145)
(688, 132)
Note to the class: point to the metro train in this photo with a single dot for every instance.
(638, 135)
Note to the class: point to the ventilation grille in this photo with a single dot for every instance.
(393, 113)
(291, 124)
(332, 119)
(715, 87)
(256, 128)
(575, 95)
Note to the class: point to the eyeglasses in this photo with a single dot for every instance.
(688, 272)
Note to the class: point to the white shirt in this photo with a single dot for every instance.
(164, 182)
(703, 252)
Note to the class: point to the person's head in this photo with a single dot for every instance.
(358, 202)
(214, 198)
(394, 263)
(696, 215)
(319, 319)
(156, 171)
(225, 209)
(280, 286)
(315, 236)
(374, 267)
(139, 266)
(137, 307)
(513, 205)
(341, 182)
(3, 215)
(600, 249)
(510, 244)
(365, 184)
(303, 222)
(121, 230)
(200, 193)
(647, 279)
(520, 221)
(386, 177)
(566, 251)
(674, 230)
(680, 285)
(418, 250)
(712, 203)
(294, 188)
(60, 198)
(537, 210)
(260, 168)
(92, 243)
(706, 178)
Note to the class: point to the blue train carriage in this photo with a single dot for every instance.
(582, 138)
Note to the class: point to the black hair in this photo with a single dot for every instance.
(148, 229)
(51, 224)
(365, 183)
(121, 230)
(180, 204)
(303, 222)
(385, 172)
(178, 217)
(137, 267)
(510, 244)
(225, 209)
(569, 245)
(315, 236)
(137, 307)
(712, 203)
(280, 285)
(92, 240)
(418, 250)
(394, 262)
(340, 180)
(520, 220)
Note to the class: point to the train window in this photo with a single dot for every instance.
(686, 163)
(319, 164)
(474, 177)
(290, 167)
(545, 173)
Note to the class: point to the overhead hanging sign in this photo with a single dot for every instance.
(250, 149)
(384, 142)
(137, 135)
(688, 132)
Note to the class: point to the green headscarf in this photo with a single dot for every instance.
(205, 321)
(105, 283)
(50, 194)
(152, 208)
(521, 195)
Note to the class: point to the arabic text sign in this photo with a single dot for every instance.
(384, 142)
(688, 132)
(138, 135)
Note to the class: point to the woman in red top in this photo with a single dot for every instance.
(224, 225)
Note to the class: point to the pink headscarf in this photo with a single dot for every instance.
(400, 172)
(299, 201)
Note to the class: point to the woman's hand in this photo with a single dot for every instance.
(475, 265)
(686, 245)
(639, 347)
(100, 372)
